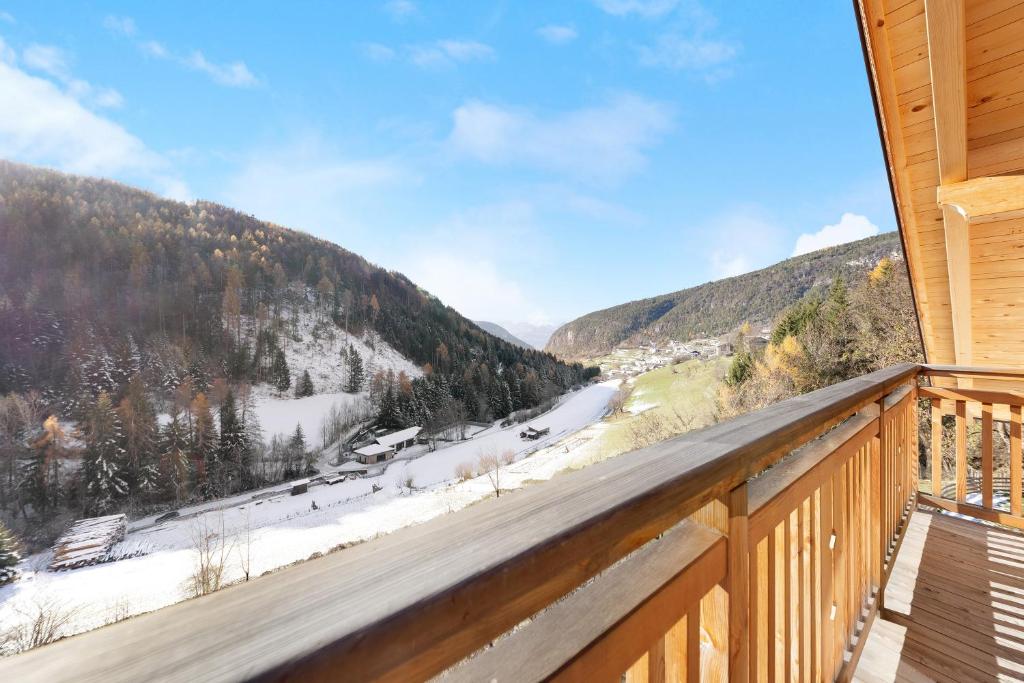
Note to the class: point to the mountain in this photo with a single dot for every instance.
(536, 335)
(101, 282)
(718, 307)
(501, 333)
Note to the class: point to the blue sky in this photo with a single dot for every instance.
(525, 161)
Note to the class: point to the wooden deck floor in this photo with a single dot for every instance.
(954, 606)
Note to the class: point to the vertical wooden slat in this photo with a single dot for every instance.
(675, 652)
(876, 512)
(777, 654)
(1015, 460)
(961, 451)
(714, 627)
(792, 654)
(762, 637)
(738, 585)
(803, 517)
(656, 670)
(827, 637)
(814, 523)
(986, 455)
(936, 447)
(637, 673)
(692, 659)
(839, 555)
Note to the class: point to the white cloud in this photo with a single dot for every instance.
(55, 62)
(7, 17)
(378, 52)
(465, 261)
(123, 25)
(687, 53)
(557, 35)
(603, 143)
(644, 8)
(400, 10)
(444, 53)
(233, 74)
(46, 58)
(43, 124)
(7, 55)
(850, 227)
(302, 186)
(154, 48)
(474, 287)
(740, 240)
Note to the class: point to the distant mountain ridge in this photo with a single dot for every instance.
(718, 307)
(501, 333)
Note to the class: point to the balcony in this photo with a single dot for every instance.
(805, 541)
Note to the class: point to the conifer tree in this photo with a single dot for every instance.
(203, 443)
(139, 443)
(280, 376)
(174, 464)
(232, 463)
(10, 555)
(354, 363)
(305, 386)
(104, 458)
(296, 452)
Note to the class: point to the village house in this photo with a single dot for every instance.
(386, 445)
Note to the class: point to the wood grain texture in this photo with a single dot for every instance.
(596, 633)
(947, 52)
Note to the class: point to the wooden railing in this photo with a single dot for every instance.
(754, 549)
(983, 482)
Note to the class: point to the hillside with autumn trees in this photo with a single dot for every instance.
(118, 306)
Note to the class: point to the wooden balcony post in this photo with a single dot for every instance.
(879, 448)
(737, 584)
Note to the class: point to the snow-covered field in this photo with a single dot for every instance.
(277, 530)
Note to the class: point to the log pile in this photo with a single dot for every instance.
(88, 541)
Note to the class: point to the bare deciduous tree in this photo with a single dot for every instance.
(43, 620)
(212, 550)
(491, 465)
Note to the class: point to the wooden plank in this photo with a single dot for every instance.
(980, 395)
(961, 451)
(451, 571)
(947, 48)
(986, 199)
(986, 514)
(611, 622)
(1015, 460)
(738, 584)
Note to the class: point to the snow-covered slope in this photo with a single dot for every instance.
(278, 530)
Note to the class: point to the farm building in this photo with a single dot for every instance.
(400, 439)
(374, 453)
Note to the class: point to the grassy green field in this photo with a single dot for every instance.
(665, 402)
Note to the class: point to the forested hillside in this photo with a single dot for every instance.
(116, 304)
(719, 307)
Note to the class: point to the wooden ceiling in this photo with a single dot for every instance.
(948, 81)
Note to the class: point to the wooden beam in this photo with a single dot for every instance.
(947, 49)
(958, 264)
(988, 199)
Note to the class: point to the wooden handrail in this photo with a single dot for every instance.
(598, 631)
(406, 606)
